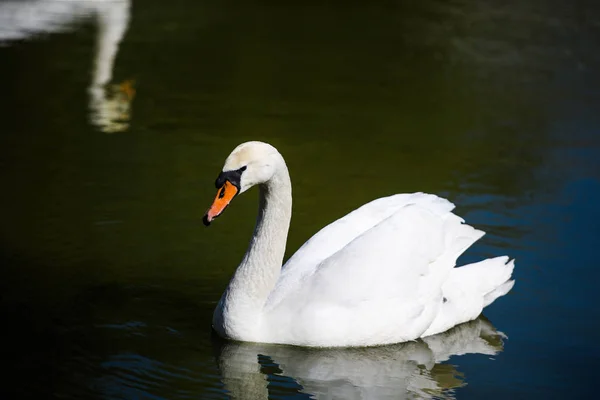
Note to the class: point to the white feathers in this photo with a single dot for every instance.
(384, 273)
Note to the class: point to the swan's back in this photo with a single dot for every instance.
(338, 234)
(382, 274)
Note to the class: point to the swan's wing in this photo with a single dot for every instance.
(338, 234)
(386, 280)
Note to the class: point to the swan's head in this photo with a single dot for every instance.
(249, 164)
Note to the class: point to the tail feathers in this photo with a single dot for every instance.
(484, 277)
(498, 292)
(469, 289)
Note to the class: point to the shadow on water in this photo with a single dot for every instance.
(407, 370)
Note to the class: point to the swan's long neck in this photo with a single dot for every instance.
(239, 311)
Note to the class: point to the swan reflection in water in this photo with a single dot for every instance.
(406, 370)
(109, 104)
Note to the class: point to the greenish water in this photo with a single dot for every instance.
(109, 278)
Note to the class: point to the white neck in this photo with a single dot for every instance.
(238, 313)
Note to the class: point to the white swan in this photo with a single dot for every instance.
(382, 274)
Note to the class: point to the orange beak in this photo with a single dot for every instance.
(224, 196)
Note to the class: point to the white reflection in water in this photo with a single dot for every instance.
(407, 370)
(110, 104)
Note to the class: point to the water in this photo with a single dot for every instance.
(109, 278)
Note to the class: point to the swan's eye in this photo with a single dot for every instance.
(243, 169)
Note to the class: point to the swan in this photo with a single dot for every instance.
(382, 274)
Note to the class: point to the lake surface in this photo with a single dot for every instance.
(117, 118)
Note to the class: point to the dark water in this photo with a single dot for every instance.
(109, 278)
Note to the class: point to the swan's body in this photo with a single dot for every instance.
(382, 274)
